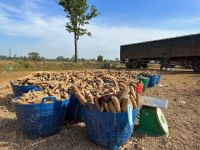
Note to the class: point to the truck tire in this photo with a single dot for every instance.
(144, 66)
(135, 65)
(196, 65)
(128, 65)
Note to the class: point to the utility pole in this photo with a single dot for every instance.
(10, 53)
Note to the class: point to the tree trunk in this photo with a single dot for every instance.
(76, 50)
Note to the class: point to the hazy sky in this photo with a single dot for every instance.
(39, 25)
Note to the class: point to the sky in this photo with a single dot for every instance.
(39, 26)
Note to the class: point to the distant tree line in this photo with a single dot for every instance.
(35, 56)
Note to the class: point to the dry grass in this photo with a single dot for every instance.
(46, 66)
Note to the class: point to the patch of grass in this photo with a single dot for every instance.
(46, 66)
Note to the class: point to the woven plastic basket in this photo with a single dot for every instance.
(40, 120)
(74, 112)
(109, 129)
(153, 80)
(18, 90)
(159, 78)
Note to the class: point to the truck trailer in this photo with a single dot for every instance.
(184, 50)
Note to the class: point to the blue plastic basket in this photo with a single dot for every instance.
(158, 81)
(40, 120)
(74, 112)
(109, 129)
(18, 90)
(153, 80)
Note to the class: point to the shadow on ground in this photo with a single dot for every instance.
(6, 102)
(167, 72)
(70, 137)
(11, 136)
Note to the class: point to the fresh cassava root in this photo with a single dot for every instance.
(116, 103)
(81, 98)
(110, 91)
(111, 103)
(35, 97)
(111, 107)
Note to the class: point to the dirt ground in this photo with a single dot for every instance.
(181, 88)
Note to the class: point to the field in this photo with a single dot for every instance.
(20, 65)
(181, 88)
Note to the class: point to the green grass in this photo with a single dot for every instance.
(46, 66)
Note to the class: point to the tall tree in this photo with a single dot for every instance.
(100, 58)
(79, 15)
(34, 56)
(60, 58)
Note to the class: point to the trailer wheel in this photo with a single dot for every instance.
(135, 65)
(196, 65)
(128, 65)
(144, 66)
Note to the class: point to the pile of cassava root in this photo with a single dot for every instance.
(115, 101)
(35, 97)
(110, 91)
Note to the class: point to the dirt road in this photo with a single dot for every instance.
(182, 89)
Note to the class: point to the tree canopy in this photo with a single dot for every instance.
(34, 56)
(100, 58)
(79, 14)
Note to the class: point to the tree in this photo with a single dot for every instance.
(117, 60)
(34, 56)
(67, 59)
(100, 58)
(3, 57)
(83, 59)
(78, 15)
(23, 58)
(60, 58)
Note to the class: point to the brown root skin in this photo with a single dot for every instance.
(81, 98)
(22, 98)
(111, 107)
(90, 99)
(75, 89)
(57, 91)
(113, 91)
(50, 93)
(124, 94)
(122, 85)
(124, 104)
(102, 108)
(21, 102)
(116, 103)
(133, 91)
(106, 107)
(133, 101)
(55, 87)
(96, 86)
(96, 101)
(129, 102)
(65, 95)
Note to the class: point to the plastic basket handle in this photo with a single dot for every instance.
(36, 89)
(12, 84)
(52, 98)
(130, 117)
(13, 100)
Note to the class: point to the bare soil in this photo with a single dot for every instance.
(181, 88)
